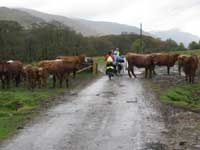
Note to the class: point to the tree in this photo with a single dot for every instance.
(136, 45)
(194, 45)
(181, 47)
(11, 40)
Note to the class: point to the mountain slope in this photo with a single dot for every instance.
(86, 27)
(26, 17)
(105, 28)
(72, 23)
(176, 35)
(23, 18)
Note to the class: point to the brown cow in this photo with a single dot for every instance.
(180, 62)
(25, 73)
(34, 75)
(140, 61)
(42, 75)
(165, 59)
(59, 68)
(190, 65)
(12, 70)
(78, 60)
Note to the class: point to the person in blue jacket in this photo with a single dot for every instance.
(117, 61)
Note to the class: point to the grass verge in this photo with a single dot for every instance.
(182, 95)
(189, 52)
(100, 60)
(19, 105)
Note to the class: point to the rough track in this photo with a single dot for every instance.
(106, 115)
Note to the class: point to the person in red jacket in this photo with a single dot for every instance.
(109, 58)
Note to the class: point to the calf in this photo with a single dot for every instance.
(42, 75)
(34, 75)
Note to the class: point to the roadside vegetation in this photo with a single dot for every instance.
(174, 90)
(19, 105)
(189, 52)
(178, 94)
(183, 95)
(100, 60)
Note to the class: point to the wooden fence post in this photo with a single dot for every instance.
(94, 68)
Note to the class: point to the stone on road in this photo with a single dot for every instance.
(107, 115)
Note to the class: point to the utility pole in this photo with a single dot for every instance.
(141, 45)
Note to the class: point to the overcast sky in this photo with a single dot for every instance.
(154, 14)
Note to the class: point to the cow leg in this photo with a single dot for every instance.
(74, 73)
(61, 81)
(146, 72)
(44, 82)
(190, 78)
(150, 73)
(186, 77)
(32, 84)
(39, 82)
(153, 70)
(168, 69)
(129, 68)
(67, 83)
(132, 71)
(7, 82)
(3, 83)
(54, 81)
(17, 80)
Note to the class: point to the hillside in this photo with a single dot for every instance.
(23, 18)
(26, 17)
(72, 23)
(86, 27)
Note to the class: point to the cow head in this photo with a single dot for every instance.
(175, 56)
(82, 58)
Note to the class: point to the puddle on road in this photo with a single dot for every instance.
(121, 85)
(108, 94)
(155, 146)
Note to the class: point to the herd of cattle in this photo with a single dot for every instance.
(33, 76)
(63, 66)
(149, 61)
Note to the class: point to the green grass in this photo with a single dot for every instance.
(189, 52)
(29, 101)
(183, 95)
(100, 60)
(10, 117)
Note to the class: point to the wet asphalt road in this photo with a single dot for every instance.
(107, 115)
